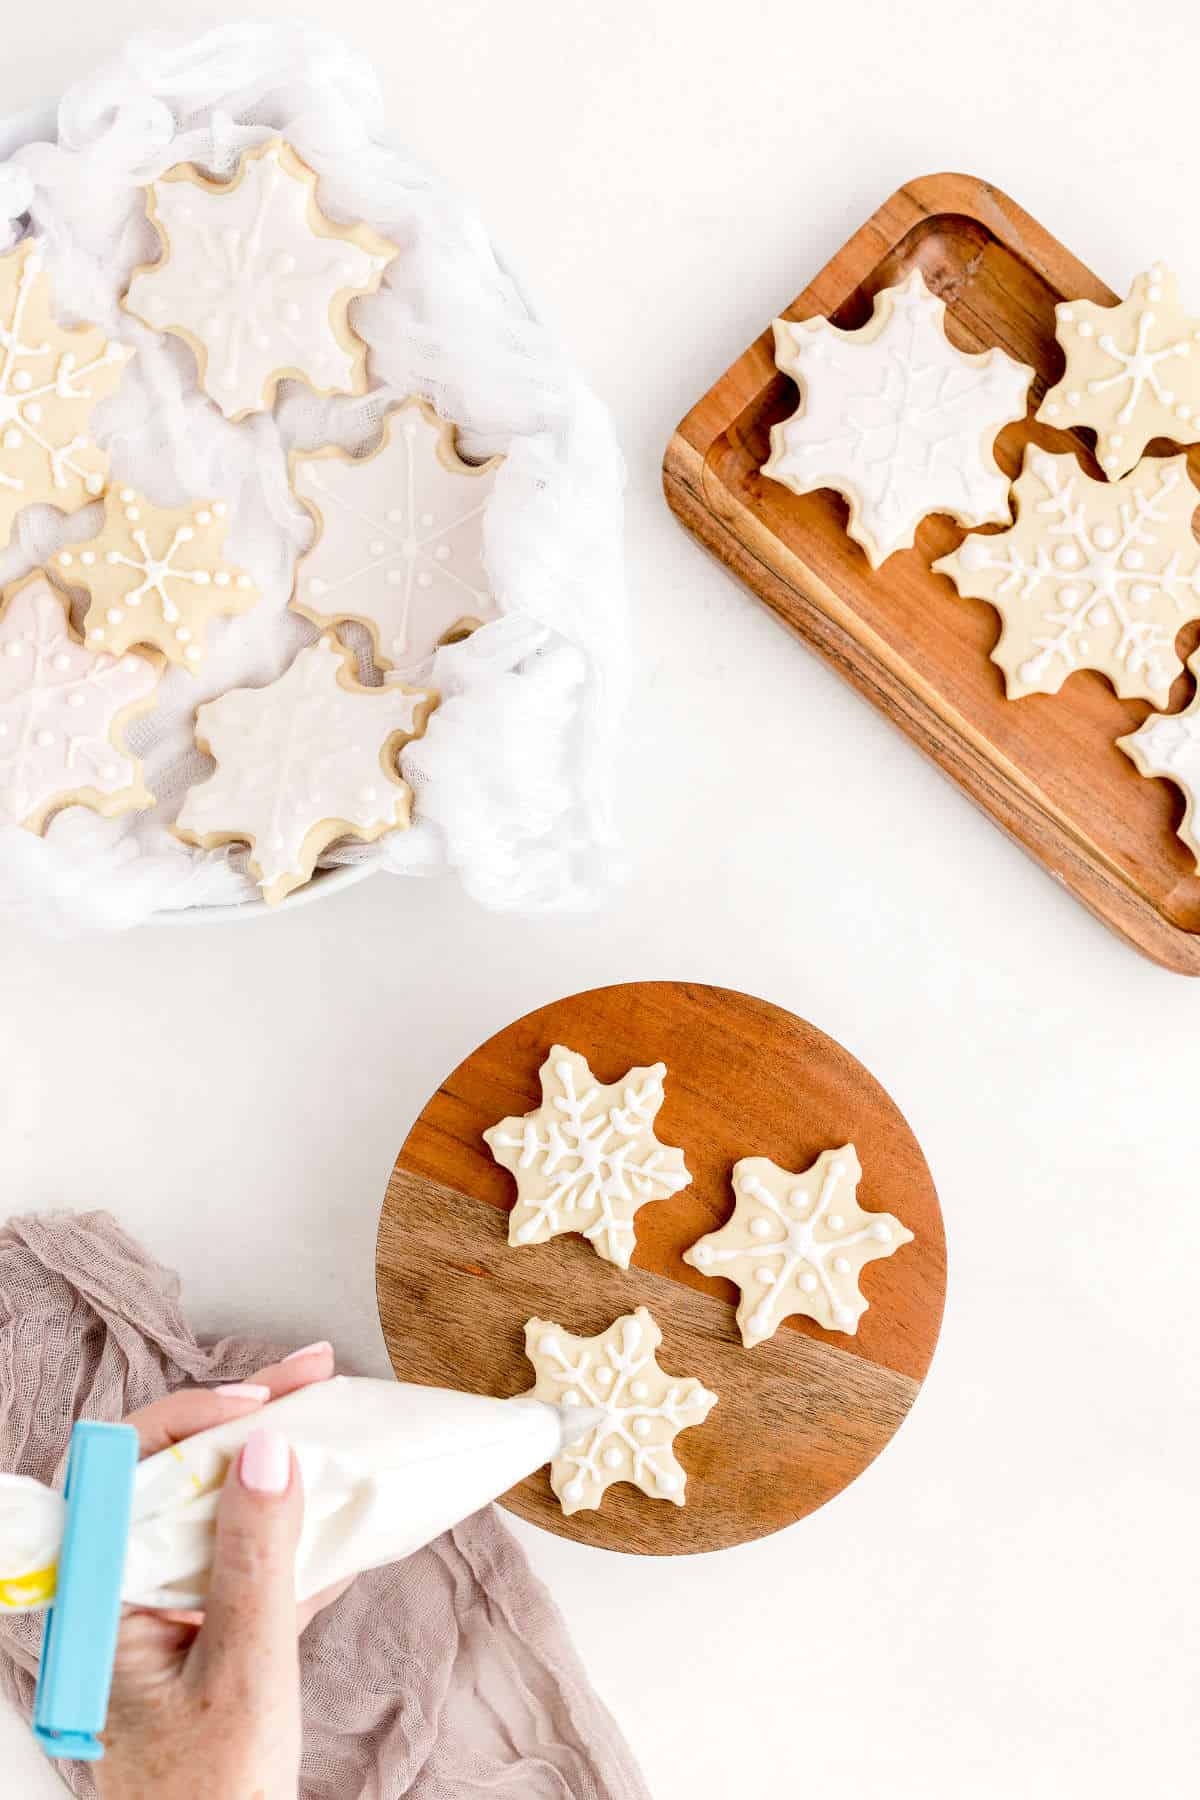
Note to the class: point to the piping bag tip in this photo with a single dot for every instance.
(577, 1421)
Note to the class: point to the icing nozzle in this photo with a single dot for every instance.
(577, 1421)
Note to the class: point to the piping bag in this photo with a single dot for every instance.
(386, 1467)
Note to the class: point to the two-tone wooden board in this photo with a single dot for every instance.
(1046, 768)
(799, 1416)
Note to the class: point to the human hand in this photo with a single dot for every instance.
(210, 1703)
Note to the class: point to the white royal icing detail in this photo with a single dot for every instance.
(300, 763)
(248, 277)
(896, 419)
(644, 1408)
(399, 541)
(787, 1247)
(154, 576)
(50, 381)
(1168, 745)
(1133, 371)
(588, 1158)
(60, 706)
(1094, 575)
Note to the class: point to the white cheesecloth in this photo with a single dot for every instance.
(511, 781)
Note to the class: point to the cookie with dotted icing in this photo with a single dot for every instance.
(63, 712)
(155, 575)
(588, 1157)
(1168, 745)
(1132, 374)
(644, 1409)
(301, 762)
(399, 539)
(257, 279)
(797, 1244)
(51, 379)
(1093, 575)
(896, 419)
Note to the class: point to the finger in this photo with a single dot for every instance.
(182, 1415)
(313, 1363)
(249, 1631)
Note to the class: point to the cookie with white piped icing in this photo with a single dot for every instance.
(1133, 371)
(398, 541)
(644, 1409)
(156, 575)
(257, 279)
(1168, 745)
(306, 760)
(587, 1158)
(896, 419)
(797, 1244)
(63, 712)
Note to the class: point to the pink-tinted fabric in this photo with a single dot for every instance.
(448, 1676)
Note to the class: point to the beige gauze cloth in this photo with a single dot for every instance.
(444, 1677)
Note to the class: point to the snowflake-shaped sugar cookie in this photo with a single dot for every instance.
(155, 575)
(797, 1244)
(399, 539)
(1133, 371)
(1168, 744)
(63, 710)
(644, 1408)
(588, 1157)
(1093, 575)
(51, 379)
(305, 760)
(896, 419)
(257, 279)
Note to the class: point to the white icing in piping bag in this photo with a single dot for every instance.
(386, 1467)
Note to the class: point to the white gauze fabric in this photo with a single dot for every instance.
(511, 781)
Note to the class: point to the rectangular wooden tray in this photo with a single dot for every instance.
(1046, 768)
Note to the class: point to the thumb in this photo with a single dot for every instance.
(249, 1633)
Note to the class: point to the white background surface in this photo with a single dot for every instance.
(1005, 1604)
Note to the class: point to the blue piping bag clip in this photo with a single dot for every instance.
(80, 1641)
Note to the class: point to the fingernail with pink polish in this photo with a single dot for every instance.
(309, 1350)
(244, 1390)
(265, 1466)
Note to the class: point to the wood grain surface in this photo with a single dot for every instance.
(1046, 768)
(800, 1416)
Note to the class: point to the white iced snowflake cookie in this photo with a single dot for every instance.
(1168, 744)
(896, 419)
(63, 710)
(399, 539)
(257, 279)
(644, 1408)
(1093, 575)
(301, 762)
(588, 1158)
(797, 1243)
(155, 575)
(51, 379)
(1133, 371)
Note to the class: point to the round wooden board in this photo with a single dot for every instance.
(799, 1416)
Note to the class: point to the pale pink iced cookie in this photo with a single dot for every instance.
(644, 1409)
(399, 539)
(1093, 575)
(63, 712)
(257, 279)
(797, 1243)
(1133, 371)
(156, 575)
(1168, 745)
(304, 761)
(51, 380)
(587, 1158)
(896, 419)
